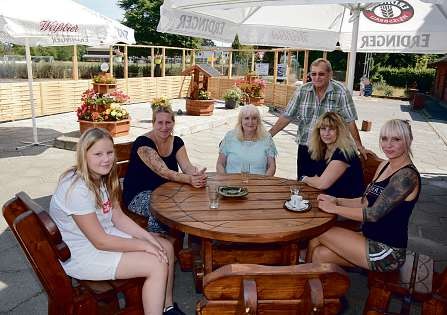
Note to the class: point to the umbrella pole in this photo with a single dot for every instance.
(352, 55)
(31, 98)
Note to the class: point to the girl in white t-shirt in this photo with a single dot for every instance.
(105, 243)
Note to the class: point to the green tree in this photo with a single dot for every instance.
(143, 17)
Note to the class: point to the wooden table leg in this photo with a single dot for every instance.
(207, 255)
(291, 253)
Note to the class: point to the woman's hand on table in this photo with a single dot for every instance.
(327, 203)
(323, 197)
(198, 178)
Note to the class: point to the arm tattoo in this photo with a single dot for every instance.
(151, 158)
(400, 186)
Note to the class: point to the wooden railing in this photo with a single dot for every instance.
(54, 97)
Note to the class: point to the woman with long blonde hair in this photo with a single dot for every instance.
(104, 243)
(384, 210)
(338, 169)
(248, 142)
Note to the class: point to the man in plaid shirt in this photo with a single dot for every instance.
(309, 102)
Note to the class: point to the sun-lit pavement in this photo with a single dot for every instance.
(36, 171)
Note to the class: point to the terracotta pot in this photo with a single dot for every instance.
(116, 128)
(257, 101)
(199, 107)
(103, 88)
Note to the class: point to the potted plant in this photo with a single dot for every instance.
(104, 83)
(104, 111)
(253, 89)
(199, 102)
(232, 97)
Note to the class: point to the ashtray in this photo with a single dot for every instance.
(232, 191)
(304, 208)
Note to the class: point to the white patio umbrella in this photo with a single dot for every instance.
(411, 26)
(56, 23)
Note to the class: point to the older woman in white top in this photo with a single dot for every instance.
(248, 142)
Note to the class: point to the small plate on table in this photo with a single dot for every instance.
(232, 191)
(289, 207)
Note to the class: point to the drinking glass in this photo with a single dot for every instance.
(294, 190)
(245, 172)
(213, 195)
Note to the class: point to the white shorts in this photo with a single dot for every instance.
(89, 263)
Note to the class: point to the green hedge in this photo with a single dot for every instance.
(404, 77)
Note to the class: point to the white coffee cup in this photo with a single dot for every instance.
(296, 201)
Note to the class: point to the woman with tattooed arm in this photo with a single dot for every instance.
(155, 159)
(384, 209)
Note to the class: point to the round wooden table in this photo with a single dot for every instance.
(257, 218)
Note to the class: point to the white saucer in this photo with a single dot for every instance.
(305, 206)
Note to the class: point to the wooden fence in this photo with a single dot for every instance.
(275, 94)
(54, 97)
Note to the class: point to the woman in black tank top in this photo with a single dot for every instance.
(384, 209)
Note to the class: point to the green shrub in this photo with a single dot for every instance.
(388, 91)
(404, 77)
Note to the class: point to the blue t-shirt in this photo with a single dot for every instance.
(350, 184)
(139, 176)
(253, 152)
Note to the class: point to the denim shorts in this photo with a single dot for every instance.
(382, 257)
(141, 204)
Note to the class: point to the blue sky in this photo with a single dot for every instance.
(108, 8)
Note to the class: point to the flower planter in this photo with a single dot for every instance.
(104, 88)
(231, 104)
(257, 101)
(116, 128)
(199, 107)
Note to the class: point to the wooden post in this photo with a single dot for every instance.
(325, 55)
(126, 69)
(275, 68)
(252, 61)
(289, 65)
(152, 62)
(126, 64)
(193, 57)
(347, 68)
(183, 60)
(163, 62)
(75, 70)
(306, 65)
(111, 60)
(230, 64)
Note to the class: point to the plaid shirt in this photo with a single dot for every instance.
(306, 108)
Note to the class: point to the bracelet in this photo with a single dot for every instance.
(302, 178)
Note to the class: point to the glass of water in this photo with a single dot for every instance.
(245, 171)
(213, 195)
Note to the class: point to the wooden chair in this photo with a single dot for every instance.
(122, 152)
(369, 167)
(382, 285)
(257, 289)
(42, 243)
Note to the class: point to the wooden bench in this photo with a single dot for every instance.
(256, 289)
(42, 243)
(382, 285)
